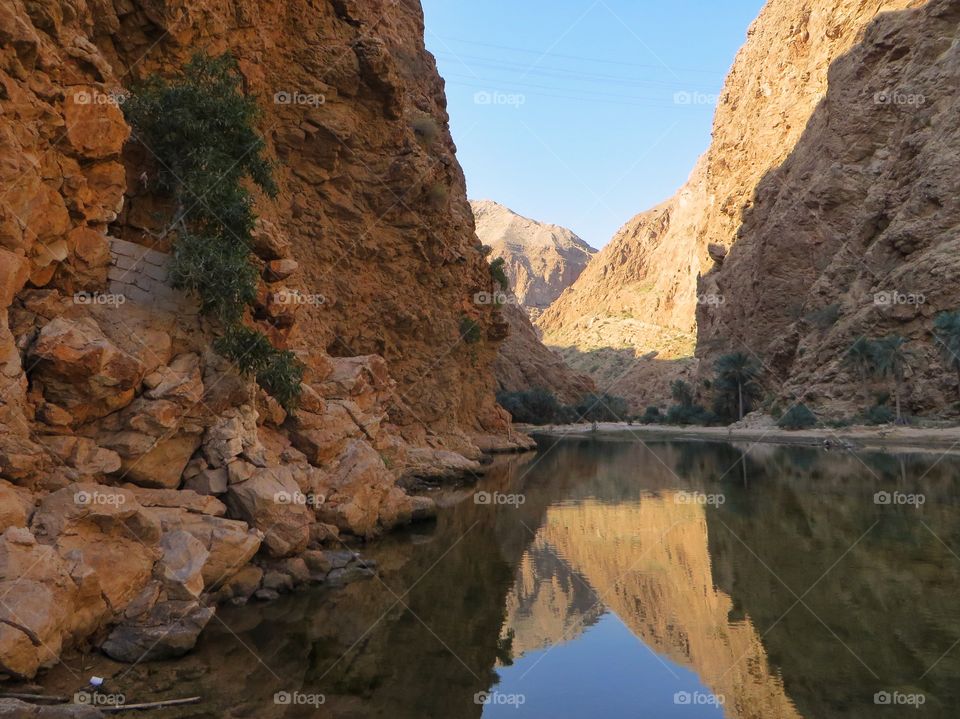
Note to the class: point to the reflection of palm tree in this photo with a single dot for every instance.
(890, 358)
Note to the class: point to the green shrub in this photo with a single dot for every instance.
(426, 129)
(652, 415)
(201, 129)
(601, 408)
(799, 416)
(536, 406)
(499, 274)
(879, 414)
(471, 331)
(689, 414)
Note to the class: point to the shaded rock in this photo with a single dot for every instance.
(179, 499)
(16, 709)
(278, 270)
(208, 481)
(169, 629)
(241, 586)
(163, 465)
(83, 455)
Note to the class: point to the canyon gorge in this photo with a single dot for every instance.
(146, 483)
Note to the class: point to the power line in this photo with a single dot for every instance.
(577, 57)
(557, 72)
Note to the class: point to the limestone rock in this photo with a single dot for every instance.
(230, 543)
(541, 260)
(169, 629)
(269, 501)
(82, 371)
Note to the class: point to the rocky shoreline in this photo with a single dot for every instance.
(887, 438)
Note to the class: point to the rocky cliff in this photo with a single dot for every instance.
(830, 127)
(140, 474)
(541, 260)
(853, 232)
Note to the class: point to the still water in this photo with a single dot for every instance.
(608, 578)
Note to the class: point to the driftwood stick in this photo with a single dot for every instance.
(149, 705)
(34, 697)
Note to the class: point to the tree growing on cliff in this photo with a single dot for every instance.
(736, 381)
(890, 359)
(860, 357)
(200, 128)
(946, 334)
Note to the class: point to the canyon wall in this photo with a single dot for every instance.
(141, 475)
(820, 144)
(853, 233)
(540, 260)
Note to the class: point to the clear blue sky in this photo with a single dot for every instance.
(583, 112)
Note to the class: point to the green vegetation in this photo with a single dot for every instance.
(426, 129)
(540, 406)
(799, 416)
(860, 358)
(201, 129)
(946, 334)
(471, 331)
(686, 411)
(735, 387)
(652, 415)
(499, 274)
(879, 414)
(890, 359)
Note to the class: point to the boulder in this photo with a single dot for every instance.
(95, 130)
(16, 506)
(362, 496)
(241, 586)
(181, 566)
(179, 499)
(38, 596)
(105, 530)
(83, 455)
(322, 436)
(231, 544)
(169, 629)
(181, 381)
(270, 501)
(269, 242)
(81, 370)
(208, 481)
(162, 466)
(278, 270)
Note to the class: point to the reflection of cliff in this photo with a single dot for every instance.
(548, 604)
(649, 563)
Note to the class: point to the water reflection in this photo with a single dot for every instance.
(608, 592)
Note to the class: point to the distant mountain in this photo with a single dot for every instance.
(542, 260)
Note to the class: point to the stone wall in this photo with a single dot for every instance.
(139, 274)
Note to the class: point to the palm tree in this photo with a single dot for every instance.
(860, 357)
(740, 371)
(891, 358)
(946, 334)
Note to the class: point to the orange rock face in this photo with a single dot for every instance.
(108, 376)
(774, 233)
